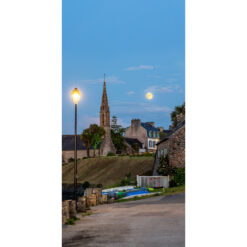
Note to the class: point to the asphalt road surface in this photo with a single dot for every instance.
(156, 221)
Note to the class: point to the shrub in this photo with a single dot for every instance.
(126, 180)
(86, 185)
(110, 154)
(179, 176)
(165, 167)
(70, 221)
(172, 183)
(75, 218)
(71, 159)
(148, 154)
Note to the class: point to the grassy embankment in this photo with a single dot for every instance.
(108, 171)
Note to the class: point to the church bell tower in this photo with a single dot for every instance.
(107, 144)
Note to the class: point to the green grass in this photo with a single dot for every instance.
(87, 214)
(71, 221)
(168, 191)
(107, 171)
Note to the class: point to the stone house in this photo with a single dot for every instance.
(174, 144)
(68, 147)
(146, 133)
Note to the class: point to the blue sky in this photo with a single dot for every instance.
(139, 44)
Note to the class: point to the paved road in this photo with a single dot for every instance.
(156, 221)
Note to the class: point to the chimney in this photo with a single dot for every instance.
(135, 123)
(161, 129)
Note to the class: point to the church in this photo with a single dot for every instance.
(105, 122)
(107, 146)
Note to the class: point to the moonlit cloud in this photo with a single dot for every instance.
(130, 92)
(109, 79)
(86, 120)
(159, 89)
(140, 67)
(127, 107)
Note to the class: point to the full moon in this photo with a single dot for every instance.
(149, 96)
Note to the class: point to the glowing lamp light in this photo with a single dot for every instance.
(76, 95)
(149, 96)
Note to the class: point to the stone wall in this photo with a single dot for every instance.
(66, 155)
(175, 145)
(137, 131)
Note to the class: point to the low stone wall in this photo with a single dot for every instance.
(93, 197)
(66, 155)
(68, 210)
(82, 204)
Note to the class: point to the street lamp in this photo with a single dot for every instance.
(76, 97)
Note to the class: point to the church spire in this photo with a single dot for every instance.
(104, 109)
(107, 144)
(104, 96)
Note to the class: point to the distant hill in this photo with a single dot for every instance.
(107, 170)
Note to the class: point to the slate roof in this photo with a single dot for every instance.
(180, 125)
(132, 141)
(68, 143)
(149, 127)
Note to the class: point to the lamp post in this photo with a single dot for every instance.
(76, 97)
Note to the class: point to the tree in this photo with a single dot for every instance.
(165, 168)
(98, 134)
(136, 147)
(92, 136)
(177, 111)
(87, 137)
(117, 135)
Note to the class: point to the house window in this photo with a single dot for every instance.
(150, 133)
(154, 134)
(158, 135)
(154, 144)
(150, 144)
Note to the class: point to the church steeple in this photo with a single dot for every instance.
(104, 96)
(104, 109)
(107, 144)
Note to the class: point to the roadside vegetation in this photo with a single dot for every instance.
(157, 192)
(87, 214)
(71, 221)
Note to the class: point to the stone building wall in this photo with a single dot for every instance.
(137, 131)
(66, 155)
(175, 145)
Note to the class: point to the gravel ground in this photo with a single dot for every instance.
(156, 221)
